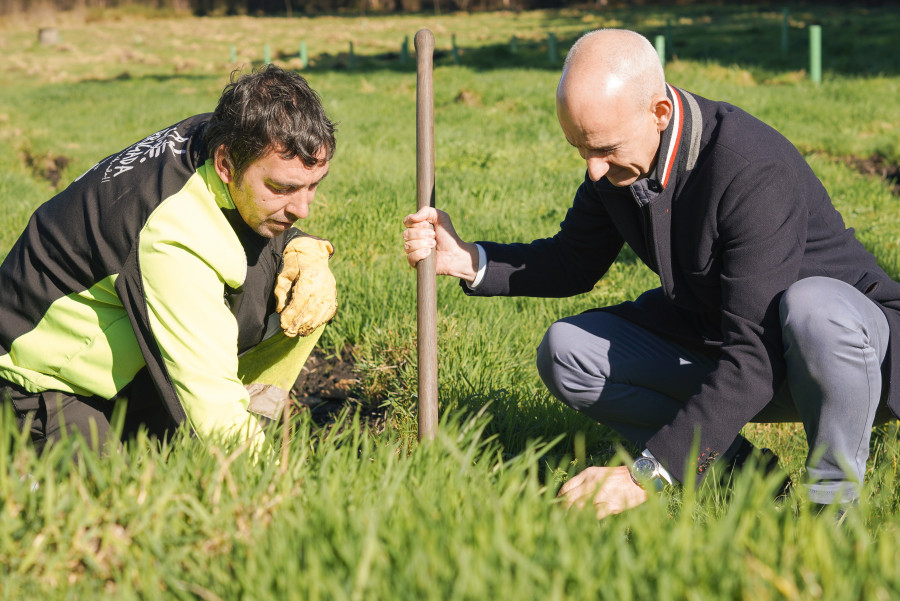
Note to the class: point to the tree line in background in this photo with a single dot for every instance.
(311, 7)
(280, 7)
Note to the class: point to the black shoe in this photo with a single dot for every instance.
(839, 510)
(767, 460)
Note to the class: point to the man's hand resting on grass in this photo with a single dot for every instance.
(611, 489)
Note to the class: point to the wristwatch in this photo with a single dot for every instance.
(645, 470)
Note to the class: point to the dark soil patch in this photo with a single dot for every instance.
(877, 165)
(328, 384)
(468, 97)
(46, 166)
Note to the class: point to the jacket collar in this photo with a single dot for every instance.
(679, 144)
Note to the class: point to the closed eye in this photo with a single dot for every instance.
(599, 151)
(603, 150)
(281, 188)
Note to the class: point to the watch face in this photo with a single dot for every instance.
(644, 468)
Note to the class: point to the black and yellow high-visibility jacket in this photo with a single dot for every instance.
(143, 260)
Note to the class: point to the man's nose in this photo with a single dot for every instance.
(597, 168)
(298, 208)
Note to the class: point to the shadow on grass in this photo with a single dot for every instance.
(856, 41)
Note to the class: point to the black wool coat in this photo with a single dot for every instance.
(731, 216)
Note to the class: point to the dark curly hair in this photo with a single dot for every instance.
(265, 110)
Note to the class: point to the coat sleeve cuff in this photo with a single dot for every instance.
(482, 267)
(663, 472)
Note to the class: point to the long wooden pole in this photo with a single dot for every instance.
(425, 269)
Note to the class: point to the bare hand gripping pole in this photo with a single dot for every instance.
(425, 269)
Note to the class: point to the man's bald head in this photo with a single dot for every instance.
(611, 65)
(612, 104)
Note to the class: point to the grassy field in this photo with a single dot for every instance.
(362, 514)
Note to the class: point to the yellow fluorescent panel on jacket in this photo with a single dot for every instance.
(188, 252)
(84, 345)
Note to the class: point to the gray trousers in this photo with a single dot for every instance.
(835, 340)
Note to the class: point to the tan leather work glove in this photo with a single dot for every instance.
(313, 299)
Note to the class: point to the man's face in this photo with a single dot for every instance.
(618, 140)
(273, 192)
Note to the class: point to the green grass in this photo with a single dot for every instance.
(362, 515)
(357, 516)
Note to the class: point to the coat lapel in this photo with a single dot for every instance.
(679, 149)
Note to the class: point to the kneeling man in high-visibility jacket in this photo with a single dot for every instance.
(170, 274)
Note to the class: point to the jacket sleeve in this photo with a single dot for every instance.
(174, 291)
(197, 339)
(569, 263)
(762, 229)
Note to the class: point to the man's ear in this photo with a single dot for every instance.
(222, 163)
(662, 110)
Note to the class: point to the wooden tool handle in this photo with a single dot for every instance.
(425, 269)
